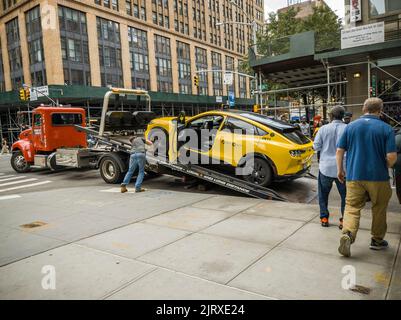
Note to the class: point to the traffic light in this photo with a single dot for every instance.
(27, 94)
(22, 95)
(256, 108)
(196, 81)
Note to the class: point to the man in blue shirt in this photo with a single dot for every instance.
(326, 143)
(371, 151)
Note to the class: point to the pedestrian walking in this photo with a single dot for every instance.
(348, 117)
(326, 144)
(371, 151)
(4, 147)
(397, 166)
(137, 161)
(305, 127)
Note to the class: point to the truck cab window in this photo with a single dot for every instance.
(66, 119)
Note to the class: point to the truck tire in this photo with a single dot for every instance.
(110, 170)
(19, 163)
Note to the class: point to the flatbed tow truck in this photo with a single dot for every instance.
(58, 139)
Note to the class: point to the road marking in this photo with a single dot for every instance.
(11, 196)
(8, 176)
(19, 181)
(25, 186)
(116, 190)
(13, 178)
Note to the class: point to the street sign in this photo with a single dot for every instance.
(37, 92)
(219, 99)
(42, 91)
(228, 79)
(34, 95)
(231, 99)
(363, 35)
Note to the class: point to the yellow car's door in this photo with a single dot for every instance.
(236, 139)
(203, 132)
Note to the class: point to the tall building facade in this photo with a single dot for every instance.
(157, 45)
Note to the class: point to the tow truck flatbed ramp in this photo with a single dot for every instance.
(220, 179)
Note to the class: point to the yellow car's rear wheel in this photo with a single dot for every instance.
(262, 173)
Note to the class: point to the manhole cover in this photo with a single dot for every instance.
(33, 225)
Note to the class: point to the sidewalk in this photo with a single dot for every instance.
(180, 245)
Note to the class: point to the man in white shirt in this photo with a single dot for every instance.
(304, 126)
(326, 143)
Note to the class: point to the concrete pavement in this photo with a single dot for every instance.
(168, 244)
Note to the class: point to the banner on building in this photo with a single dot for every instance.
(362, 36)
(356, 10)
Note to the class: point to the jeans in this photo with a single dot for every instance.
(137, 160)
(324, 187)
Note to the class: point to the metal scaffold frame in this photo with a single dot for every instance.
(331, 88)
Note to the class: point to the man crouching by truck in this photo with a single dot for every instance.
(137, 160)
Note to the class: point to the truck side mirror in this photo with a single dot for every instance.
(181, 117)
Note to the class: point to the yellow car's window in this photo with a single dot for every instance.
(239, 126)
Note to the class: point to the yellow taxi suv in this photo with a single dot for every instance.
(279, 150)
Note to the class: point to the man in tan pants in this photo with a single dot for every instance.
(371, 151)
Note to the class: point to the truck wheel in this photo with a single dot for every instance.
(262, 173)
(111, 171)
(19, 163)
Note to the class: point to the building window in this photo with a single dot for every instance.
(378, 7)
(14, 54)
(230, 67)
(184, 68)
(109, 52)
(163, 64)
(160, 13)
(74, 46)
(217, 76)
(139, 58)
(136, 8)
(35, 47)
(113, 4)
(201, 64)
(8, 4)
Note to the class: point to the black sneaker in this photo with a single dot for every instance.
(378, 244)
(345, 245)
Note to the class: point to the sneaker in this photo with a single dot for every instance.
(124, 189)
(378, 244)
(345, 245)
(324, 222)
(140, 190)
(340, 226)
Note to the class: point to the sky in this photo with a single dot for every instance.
(272, 5)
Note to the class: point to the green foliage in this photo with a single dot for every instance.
(274, 40)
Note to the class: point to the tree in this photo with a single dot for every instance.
(274, 40)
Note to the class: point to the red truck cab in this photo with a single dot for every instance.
(52, 128)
